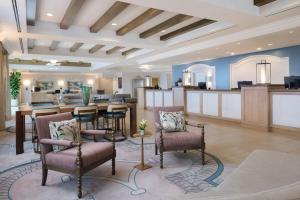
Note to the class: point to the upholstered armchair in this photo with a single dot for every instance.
(77, 158)
(177, 141)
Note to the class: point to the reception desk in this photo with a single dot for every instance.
(261, 107)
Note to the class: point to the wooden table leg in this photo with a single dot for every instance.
(133, 118)
(20, 132)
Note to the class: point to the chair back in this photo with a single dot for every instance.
(156, 111)
(42, 127)
(44, 112)
(117, 108)
(86, 110)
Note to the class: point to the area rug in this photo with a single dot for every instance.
(182, 174)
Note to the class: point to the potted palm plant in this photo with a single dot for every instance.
(15, 84)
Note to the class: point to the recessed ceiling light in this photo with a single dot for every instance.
(163, 31)
(232, 53)
(258, 48)
(291, 32)
(114, 24)
(238, 43)
(270, 44)
(217, 48)
(49, 14)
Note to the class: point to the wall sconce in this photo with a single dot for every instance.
(148, 81)
(90, 82)
(263, 72)
(187, 78)
(60, 84)
(26, 84)
(209, 80)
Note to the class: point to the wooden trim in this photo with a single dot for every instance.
(71, 13)
(76, 46)
(114, 49)
(96, 48)
(109, 15)
(141, 19)
(54, 45)
(284, 128)
(129, 51)
(165, 25)
(188, 28)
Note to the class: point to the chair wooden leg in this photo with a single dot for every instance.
(79, 178)
(161, 159)
(113, 166)
(79, 192)
(44, 175)
(184, 151)
(155, 149)
(203, 156)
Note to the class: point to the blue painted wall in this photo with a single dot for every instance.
(223, 64)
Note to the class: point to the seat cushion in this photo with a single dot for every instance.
(92, 152)
(179, 141)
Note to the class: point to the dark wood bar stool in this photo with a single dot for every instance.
(86, 114)
(115, 114)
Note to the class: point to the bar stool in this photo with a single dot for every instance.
(116, 113)
(36, 113)
(86, 114)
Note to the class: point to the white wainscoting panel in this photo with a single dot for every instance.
(193, 102)
(286, 110)
(210, 104)
(158, 98)
(231, 105)
(168, 98)
(149, 98)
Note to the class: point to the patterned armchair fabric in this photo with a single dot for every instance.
(78, 158)
(175, 141)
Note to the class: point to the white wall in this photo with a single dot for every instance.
(245, 69)
(127, 78)
(165, 81)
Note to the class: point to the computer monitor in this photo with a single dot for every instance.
(243, 83)
(202, 85)
(292, 82)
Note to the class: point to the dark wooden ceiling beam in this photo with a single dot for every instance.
(262, 2)
(165, 25)
(31, 12)
(109, 15)
(185, 29)
(54, 45)
(112, 50)
(76, 46)
(96, 48)
(141, 19)
(129, 51)
(71, 13)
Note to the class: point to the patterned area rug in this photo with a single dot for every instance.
(183, 173)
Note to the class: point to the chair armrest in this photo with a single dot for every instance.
(158, 126)
(93, 132)
(194, 124)
(65, 143)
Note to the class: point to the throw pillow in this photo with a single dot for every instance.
(64, 130)
(172, 121)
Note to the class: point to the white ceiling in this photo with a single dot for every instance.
(241, 28)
